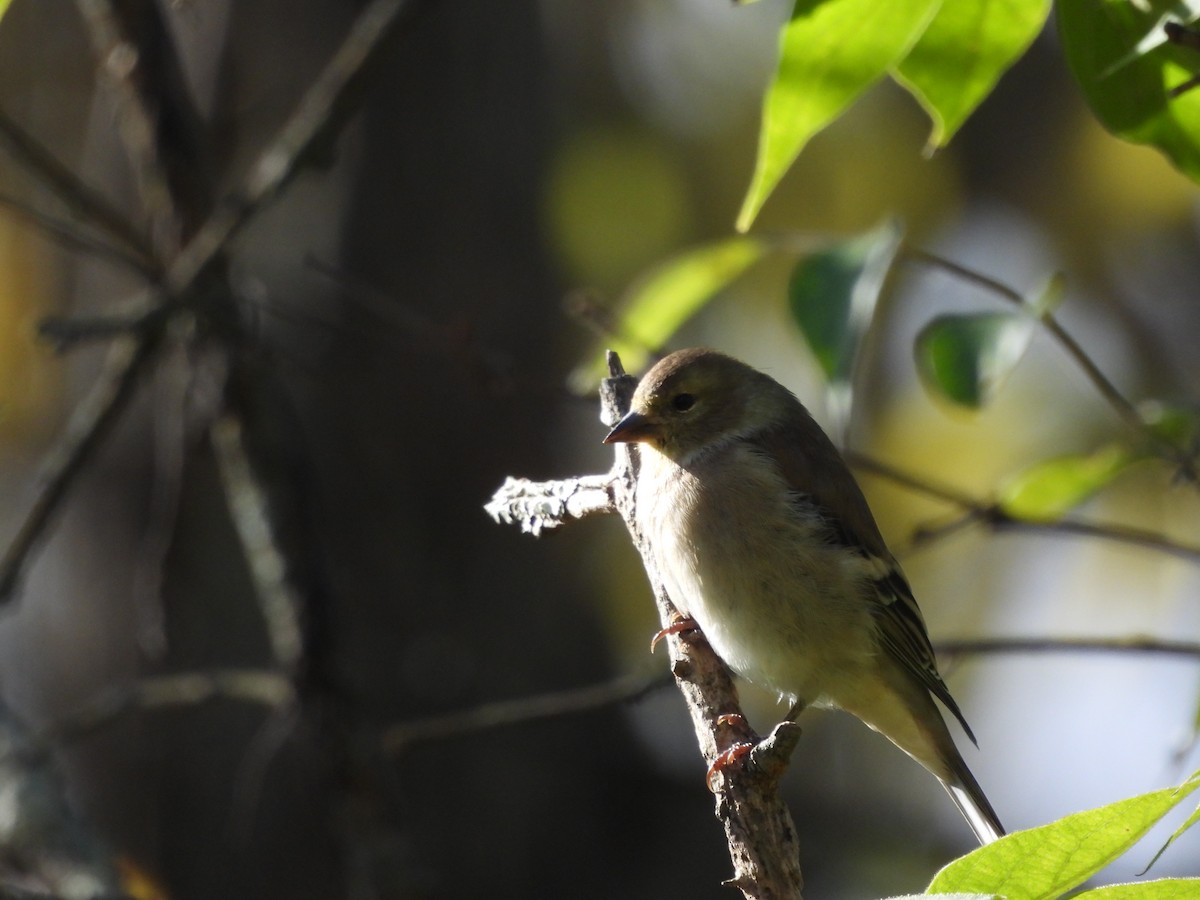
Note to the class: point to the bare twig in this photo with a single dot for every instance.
(161, 127)
(74, 237)
(279, 602)
(90, 422)
(628, 688)
(80, 199)
(994, 516)
(538, 506)
(758, 827)
(1109, 391)
(65, 334)
(256, 686)
(321, 112)
(1132, 644)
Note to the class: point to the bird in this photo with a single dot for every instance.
(766, 543)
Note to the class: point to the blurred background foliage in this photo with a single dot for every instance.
(517, 168)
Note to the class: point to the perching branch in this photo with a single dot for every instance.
(758, 827)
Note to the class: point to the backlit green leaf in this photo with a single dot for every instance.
(1159, 889)
(962, 54)
(832, 296)
(1126, 71)
(1187, 825)
(965, 358)
(1044, 862)
(1176, 425)
(1048, 490)
(658, 304)
(830, 52)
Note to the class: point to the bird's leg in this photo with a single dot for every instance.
(679, 625)
(743, 748)
(738, 751)
(794, 712)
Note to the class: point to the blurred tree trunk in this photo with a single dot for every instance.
(388, 438)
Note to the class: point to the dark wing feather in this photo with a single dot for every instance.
(818, 475)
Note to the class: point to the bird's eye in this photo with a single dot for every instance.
(683, 402)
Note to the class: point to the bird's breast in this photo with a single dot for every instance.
(753, 563)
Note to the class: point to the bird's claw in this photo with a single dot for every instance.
(738, 752)
(680, 625)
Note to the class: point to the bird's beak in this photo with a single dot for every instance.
(634, 427)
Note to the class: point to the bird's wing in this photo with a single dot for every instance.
(817, 474)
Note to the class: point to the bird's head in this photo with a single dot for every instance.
(697, 399)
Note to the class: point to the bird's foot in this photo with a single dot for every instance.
(766, 757)
(735, 753)
(679, 625)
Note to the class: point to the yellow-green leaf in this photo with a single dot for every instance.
(1046, 491)
(656, 305)
(1045, 862)
(830, 51)
(1116, 52)
(962, 54)
(1158, 889)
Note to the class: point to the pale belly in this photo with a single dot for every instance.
(781, 605)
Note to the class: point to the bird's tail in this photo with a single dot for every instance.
(968, 796)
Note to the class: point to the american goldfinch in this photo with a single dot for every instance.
(766, 542)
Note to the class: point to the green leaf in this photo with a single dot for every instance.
(656, 305)
(832, 296)
(1159, 889)
(1044, 862)
(965, 358)
(1126, 72)
(830, 52)
(962, 54)
(1046, 491)
(1178, 426)
(955, 896)
(1188, 823)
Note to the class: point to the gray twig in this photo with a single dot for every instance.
(256, 686)
(994, 516)
(279, 601)
(538, 506)
(522, 711)
(81, 200)
(1131, 644)
(90, 422)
